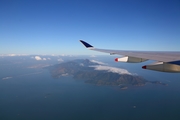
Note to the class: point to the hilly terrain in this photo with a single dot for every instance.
(97, 73)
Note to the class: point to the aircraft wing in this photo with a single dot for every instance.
(167, 61)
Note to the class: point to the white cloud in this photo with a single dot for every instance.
(111, 69)
(60, 60)
(54, 55)
(49, 58)
(13, 55)
(38, 58)
(98, 62)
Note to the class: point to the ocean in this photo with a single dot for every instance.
(32, 94)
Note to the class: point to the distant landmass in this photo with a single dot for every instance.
(97, 73)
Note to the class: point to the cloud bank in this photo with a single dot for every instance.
(98, 62)
(111, 69)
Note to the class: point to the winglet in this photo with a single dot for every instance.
(87, 45)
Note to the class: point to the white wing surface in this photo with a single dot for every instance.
(167, 61)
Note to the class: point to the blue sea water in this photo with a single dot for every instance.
(37, 96)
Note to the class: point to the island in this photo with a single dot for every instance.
(85, 69)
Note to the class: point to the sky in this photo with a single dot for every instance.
(56, 26)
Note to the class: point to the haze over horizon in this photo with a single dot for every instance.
(54, 27)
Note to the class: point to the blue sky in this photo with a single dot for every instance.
(55, 26)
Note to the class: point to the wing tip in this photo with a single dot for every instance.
(87, 45)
